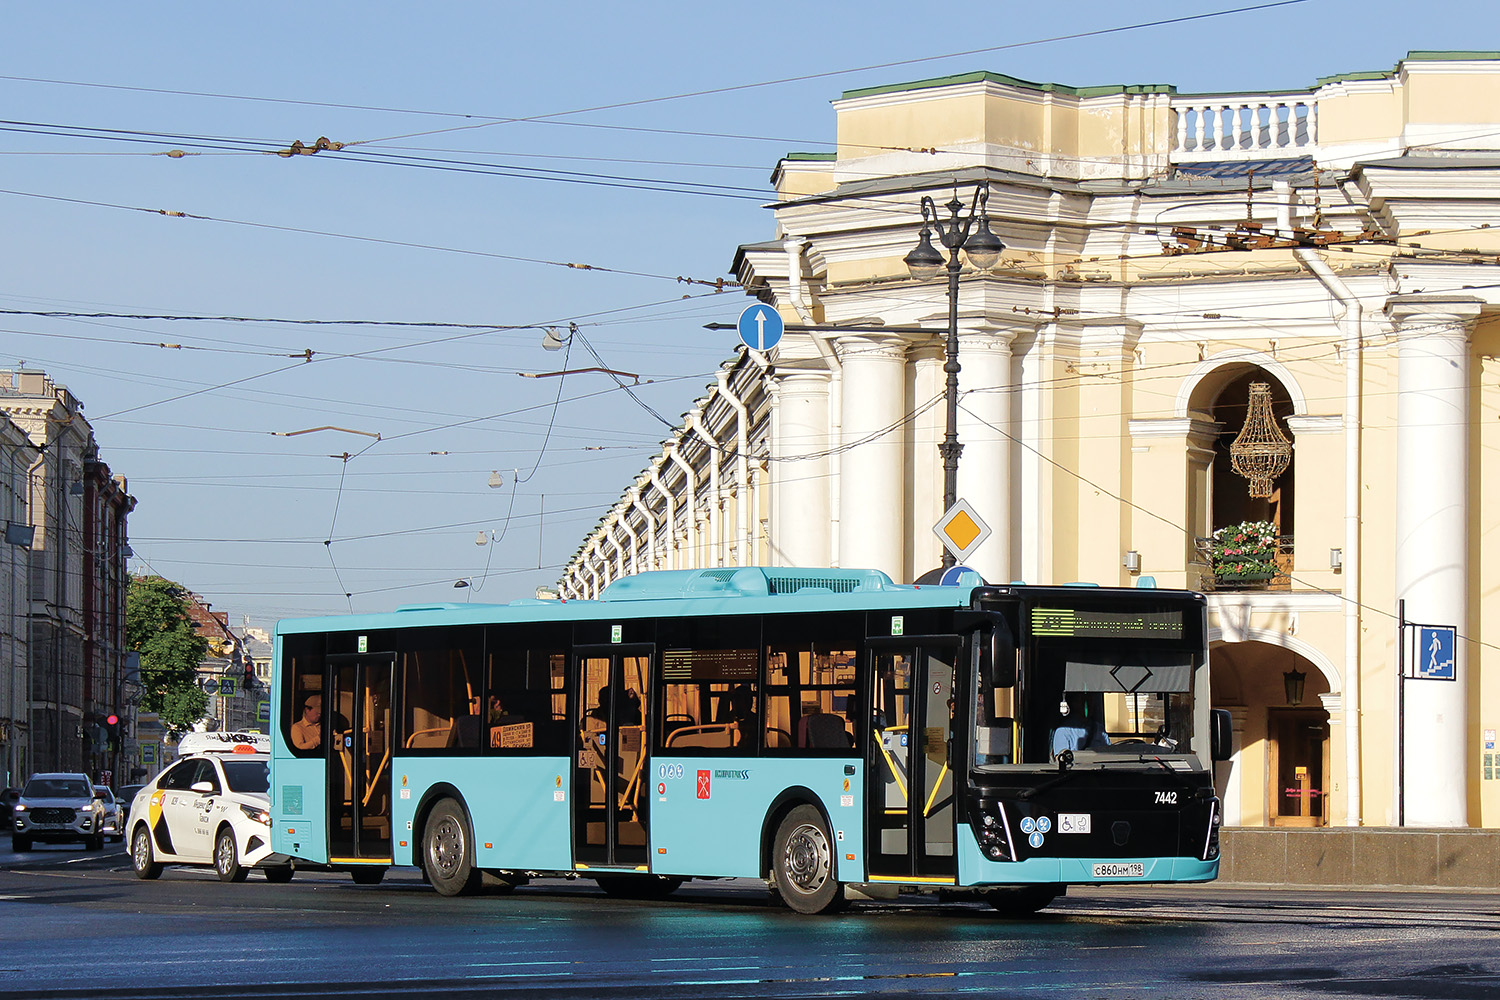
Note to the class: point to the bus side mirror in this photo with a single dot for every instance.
(1221, 734)
(998, 660)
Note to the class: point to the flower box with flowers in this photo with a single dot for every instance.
(1245, 552)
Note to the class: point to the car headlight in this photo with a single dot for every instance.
(257, 814)
(18, 807)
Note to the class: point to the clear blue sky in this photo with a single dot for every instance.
(658, 189)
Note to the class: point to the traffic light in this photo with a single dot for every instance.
(112, 731)
(249, 674)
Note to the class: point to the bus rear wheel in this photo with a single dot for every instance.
(638, 886)
(802, 863)
(447, 854)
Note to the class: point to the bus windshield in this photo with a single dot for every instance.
(1098, 699)
(1102, 681)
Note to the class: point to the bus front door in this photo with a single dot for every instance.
(611, 768)
(358, 716)
(910, 800)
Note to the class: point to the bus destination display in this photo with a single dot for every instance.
(710, 664)
(1085, 623)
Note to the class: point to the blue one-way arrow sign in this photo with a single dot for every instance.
(760, 327)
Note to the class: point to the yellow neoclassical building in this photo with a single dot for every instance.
(1241, 343)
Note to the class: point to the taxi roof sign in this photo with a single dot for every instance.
(961, 530)
(223, 743)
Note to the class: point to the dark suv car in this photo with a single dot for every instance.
(57, 807)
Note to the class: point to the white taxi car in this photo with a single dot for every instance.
(211, 807)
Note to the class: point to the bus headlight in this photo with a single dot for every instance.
(993, 833)
(1211, 845)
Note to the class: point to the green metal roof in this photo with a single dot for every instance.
(1418, 56)
(1011, 81)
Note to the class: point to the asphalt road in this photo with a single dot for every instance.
(74, 924)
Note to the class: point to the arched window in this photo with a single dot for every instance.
(1232, 502)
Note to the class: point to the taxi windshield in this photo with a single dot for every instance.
(247, 775)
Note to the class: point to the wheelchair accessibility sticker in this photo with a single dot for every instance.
(1036, 829)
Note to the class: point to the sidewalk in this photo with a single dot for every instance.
(1361, 857)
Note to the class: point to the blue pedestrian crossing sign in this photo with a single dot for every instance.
(760, 327)
(1435, 647)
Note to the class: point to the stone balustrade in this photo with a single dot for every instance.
(1245, 127)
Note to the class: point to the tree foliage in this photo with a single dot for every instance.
(157, 626)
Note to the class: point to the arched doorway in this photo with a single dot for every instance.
(1279, 774)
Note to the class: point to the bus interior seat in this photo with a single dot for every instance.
(717, 736)
(426, 739)
(823, 731)
(777, 739)
(465, 731)
(674, 722)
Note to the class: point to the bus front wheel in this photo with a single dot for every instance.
(447, 854)
(802, 863)
(1024, 900)
(638, 886)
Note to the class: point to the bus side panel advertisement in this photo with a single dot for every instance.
(299, 809)
(719, 833)
(520, 820)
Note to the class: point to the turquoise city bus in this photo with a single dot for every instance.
(834, 733)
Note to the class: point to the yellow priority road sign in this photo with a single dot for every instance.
(961, 530)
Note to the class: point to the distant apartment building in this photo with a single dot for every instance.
(63, 662)
(1240, 343)
(228, 674)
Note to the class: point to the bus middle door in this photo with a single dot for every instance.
(358, 718)
(611, 765)
(911, 810)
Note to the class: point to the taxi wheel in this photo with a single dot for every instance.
(227, 858)
(447, 854)
(278, 873)
(802, 863)
(142, 857)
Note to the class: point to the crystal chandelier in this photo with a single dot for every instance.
(1261, 452)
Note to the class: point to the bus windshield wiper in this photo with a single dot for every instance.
(1179, 777)
(1064, 772)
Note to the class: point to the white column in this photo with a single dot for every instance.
(1234, 769)
(799, 532)
(925, 462)
(1432, 512)
(984, 430)
(871, 517)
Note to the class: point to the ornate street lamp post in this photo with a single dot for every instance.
(926, 261)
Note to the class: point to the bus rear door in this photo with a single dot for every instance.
(910, 800)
